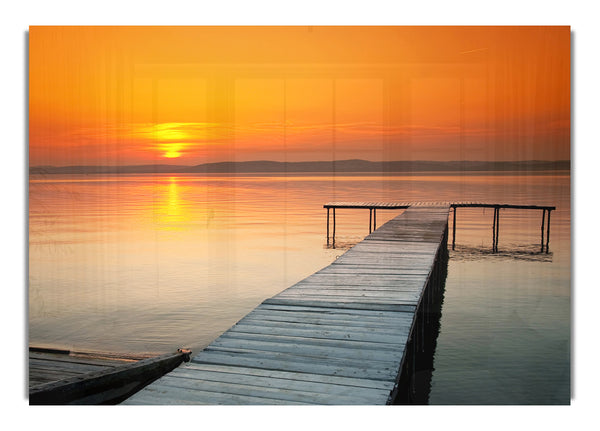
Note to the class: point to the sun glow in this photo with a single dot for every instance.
(442, 93)
(170, 131)
(172, 150)
(173, 140)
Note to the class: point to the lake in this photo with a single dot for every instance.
(145, 264)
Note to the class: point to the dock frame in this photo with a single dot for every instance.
(374, 206)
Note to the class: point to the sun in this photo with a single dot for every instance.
(172, 150)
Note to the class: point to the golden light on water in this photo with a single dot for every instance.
(170, 211)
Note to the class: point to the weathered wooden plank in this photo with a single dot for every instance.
(167, 395)
(349, 269)
(283, 362)
(63, 365)
(253, 388)
(312, 325)
(404, 288)
(324, 276)
(347, 299)
(308, 349)
(325, 342)
(399, 267)
(384, 258)
(319, 391)
(373, 244)
(387, 298)
(392, 339)
(378, 250)
(349, 293)
(74, 359)
(375, 306)
(361, 305)
(339, 381)
(106, 385)
(360, 279)
(329, 310)
(344, 319)
(319, 332)
(50, 375)
(302, 318)
(340, 281)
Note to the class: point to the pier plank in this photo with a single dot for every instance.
(252, 388)
(283, 362)
(344, 319)
(334, 328)
(166, 394)
(344, 382)
(318, 333)
(316, 389)
(358, 304)
(319, 342)
(346, 352)
(266, 305)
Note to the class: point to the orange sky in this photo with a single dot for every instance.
(190, 95)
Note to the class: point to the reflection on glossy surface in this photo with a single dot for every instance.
(150, 263)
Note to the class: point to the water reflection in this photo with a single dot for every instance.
(170, 211)
(342, 244)
(107, 272)
(530, 253)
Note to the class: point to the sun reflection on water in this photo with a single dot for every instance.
(171, 211)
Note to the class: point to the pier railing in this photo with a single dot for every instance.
(374, 206)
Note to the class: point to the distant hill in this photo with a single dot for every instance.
(345, 166)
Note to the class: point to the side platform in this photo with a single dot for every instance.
(338, 337)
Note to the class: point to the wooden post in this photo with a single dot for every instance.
(543, 221)
(370, 218)
(454, 229)
(494, 231)
(548, 231)
(374, 218)
(497, 227)
(333, 238)
(327, 225)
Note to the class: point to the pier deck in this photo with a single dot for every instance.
(46, 366)
(337, 337)
(58, 377)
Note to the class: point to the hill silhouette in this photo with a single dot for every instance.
(341, 166)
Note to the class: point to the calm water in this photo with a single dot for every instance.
(145, 264)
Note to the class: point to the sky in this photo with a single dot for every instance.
(192, 95)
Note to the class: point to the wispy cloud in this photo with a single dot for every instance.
(474, 50)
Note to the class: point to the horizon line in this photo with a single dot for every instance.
(303, 161)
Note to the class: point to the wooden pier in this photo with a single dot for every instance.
(374, 206)
(338, 337)
(58, 377)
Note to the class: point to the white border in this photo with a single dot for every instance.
(17, 16)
